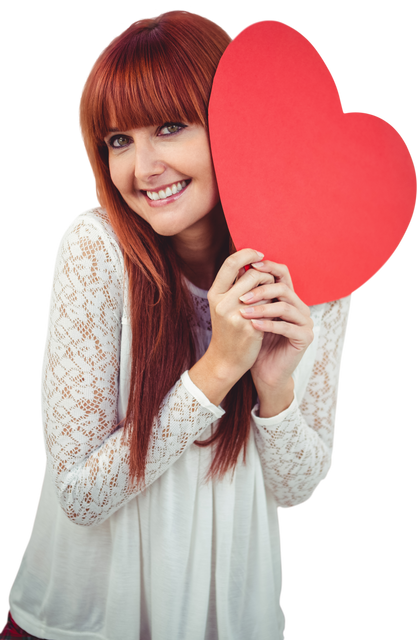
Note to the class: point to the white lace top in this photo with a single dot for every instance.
(182, 560)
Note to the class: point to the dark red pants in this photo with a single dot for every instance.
(12, 630)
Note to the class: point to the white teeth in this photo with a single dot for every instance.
(169, 191)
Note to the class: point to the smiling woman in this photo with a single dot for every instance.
(185, 395)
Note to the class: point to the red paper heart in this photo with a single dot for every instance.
(326, 193)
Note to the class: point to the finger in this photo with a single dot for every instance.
(240, 273)
(229, 270)
(279, 271)
(300, 337)
(275, 290)
(283, 310)
(251, 279)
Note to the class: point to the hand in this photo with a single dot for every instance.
(235, 342)
(285, 324)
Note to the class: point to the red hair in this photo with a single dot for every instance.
(159, 70)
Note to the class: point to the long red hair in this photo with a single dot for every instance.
(159, 70)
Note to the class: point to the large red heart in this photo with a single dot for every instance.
(326, 193)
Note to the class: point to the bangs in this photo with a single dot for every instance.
(147, 82)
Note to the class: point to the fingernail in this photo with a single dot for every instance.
(257, 264)
(260, 254)
(247, 296)
(248, 311)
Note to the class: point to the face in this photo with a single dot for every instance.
(165, 174)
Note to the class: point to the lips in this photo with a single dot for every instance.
(165, 187)
(156, 203)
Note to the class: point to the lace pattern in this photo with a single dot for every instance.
(296, 453)
(86, 457)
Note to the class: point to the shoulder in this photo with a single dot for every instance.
(91, 237)
(89, 268)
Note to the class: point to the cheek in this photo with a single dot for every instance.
(205, 170)
(211, 182)
(118, 174)
(211, 173)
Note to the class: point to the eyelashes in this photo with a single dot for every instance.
(116, 139)
(170, 125)
(120, 141)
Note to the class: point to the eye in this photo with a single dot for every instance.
(170, 128)
(119, 141)
(114, 141)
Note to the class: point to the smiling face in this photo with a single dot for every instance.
(165, 174)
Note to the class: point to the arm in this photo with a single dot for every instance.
(295, 447)
(87, 461)
(273, 404)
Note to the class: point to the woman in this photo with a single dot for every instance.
(185, 398)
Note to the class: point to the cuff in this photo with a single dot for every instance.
(218, 412)
(274, 421)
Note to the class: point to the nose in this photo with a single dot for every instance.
(148, 164)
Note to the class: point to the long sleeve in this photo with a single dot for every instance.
(86, 459)
(295, 447)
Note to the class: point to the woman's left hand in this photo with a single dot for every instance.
(285, 320)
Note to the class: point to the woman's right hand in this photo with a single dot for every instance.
(235, 344)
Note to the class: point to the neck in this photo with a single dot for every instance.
(203, 276)
(203, 248)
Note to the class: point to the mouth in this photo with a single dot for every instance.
(168, 193)
(163, 201)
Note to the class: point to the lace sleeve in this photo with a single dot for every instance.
(295, 447)
(86, 459)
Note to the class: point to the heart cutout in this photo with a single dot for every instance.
(328, 194)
